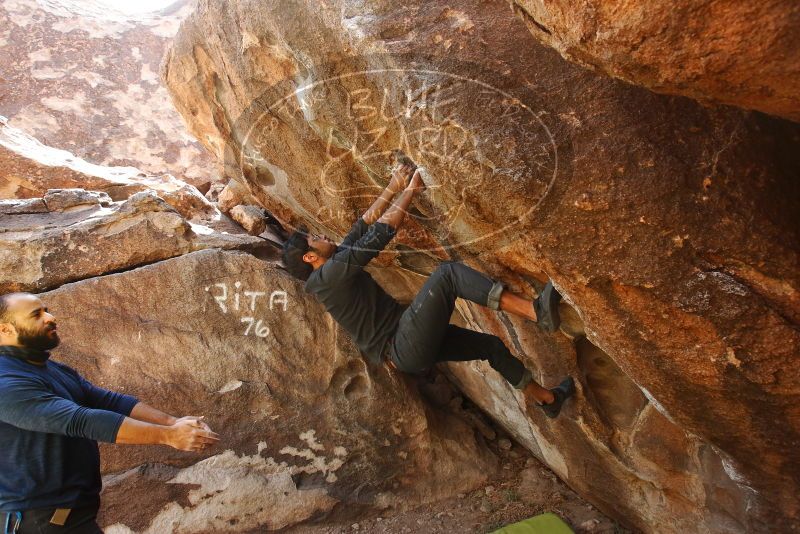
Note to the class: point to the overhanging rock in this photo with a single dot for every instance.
(670, 227)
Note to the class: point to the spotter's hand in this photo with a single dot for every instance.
(191, 434)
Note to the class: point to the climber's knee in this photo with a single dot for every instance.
(443, 275)
(445, 270)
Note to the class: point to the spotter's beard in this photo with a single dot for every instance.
(42, 340)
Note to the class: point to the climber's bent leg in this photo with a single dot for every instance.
(452, 279)
(420, 339)
(462, 345)
(423, 325)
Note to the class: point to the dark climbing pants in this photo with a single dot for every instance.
(425, 336)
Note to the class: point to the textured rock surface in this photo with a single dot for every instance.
(29, 168)
(252, 218)
(82, 77)
(739, 53)
(63, 199)
(671, 229)
(232, 195)
(75, 234)
(306, 425)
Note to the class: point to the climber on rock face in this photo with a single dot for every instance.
(412, 339)
(51, 419)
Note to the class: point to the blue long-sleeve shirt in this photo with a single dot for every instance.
(51, 419)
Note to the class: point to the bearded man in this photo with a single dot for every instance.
(51, 419)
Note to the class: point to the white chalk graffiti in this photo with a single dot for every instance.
(247, 301)
(260, 330)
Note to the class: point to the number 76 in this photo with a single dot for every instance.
(261, 330)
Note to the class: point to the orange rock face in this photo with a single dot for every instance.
(669, 227)
(738, 53)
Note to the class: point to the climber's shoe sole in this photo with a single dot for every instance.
(562, 392)
(546, 308)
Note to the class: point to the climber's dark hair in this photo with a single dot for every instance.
(293, 251)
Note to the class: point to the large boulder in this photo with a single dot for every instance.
(232, 195)
(739, 53)
(669, 227)
(307, 426)
(72, 234)
(83, 77)
(28, 169)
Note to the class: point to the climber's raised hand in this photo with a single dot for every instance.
(401, 177)
(416, 184)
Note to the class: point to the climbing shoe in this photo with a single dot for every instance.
(546, 308)
(561, 393)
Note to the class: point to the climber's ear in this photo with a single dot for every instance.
(310, 257)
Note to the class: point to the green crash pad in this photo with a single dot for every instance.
(541, 524)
